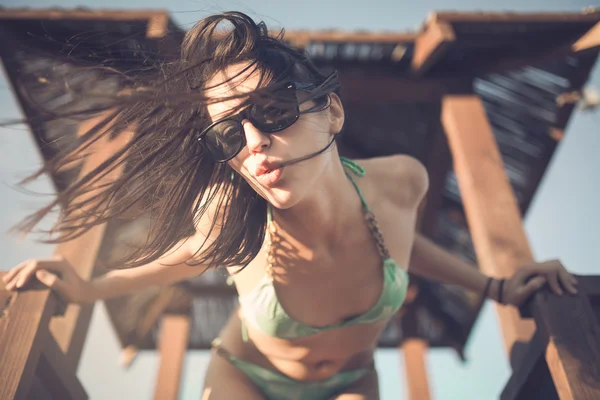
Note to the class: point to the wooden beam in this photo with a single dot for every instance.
(60, 382)
(304, 38)
(158, 25)
(512, 17)
(415, 351)
(85, 15)
(172, 345)
(531, 378)
(439, 162)
(572, 330)
(431, 45)
(588, 41)
(366, 85)
(490, 204)
(24, 317)
(71, 330)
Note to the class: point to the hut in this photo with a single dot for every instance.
(482, 99)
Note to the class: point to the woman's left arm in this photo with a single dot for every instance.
(431, 261)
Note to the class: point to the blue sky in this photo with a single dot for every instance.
(563, 221)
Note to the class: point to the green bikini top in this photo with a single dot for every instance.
(261, 309)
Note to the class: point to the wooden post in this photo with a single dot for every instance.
(417, 384)
(566, 324)
(173, 343)
(490, 204)
(24, 317)
(70, 331)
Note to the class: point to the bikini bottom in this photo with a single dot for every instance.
(276, 386)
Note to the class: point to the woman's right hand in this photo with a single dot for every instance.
(56, 273)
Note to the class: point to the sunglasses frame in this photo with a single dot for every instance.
(238, 118)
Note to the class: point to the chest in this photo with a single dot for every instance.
(322, 287)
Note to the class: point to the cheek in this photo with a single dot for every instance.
(236, 163)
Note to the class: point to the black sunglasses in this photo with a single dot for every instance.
(224, 139)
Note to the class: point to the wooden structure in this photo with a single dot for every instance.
(471, 95)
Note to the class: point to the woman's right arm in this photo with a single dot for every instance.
(61, 277)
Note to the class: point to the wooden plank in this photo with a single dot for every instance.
(60, 382)
(366, 85)
(511, 17)
(490, 205)
(24, 316)
(588, 41)
(587, 44)
(79, 14)
(417, 384)
(439, 162)
(531, 378)
(172, 346)
(71, 330)
(573, 351)
(304, 38)
(431, 45)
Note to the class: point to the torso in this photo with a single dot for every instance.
(322, 287)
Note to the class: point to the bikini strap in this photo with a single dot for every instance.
(359, 171)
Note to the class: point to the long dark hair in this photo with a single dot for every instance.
(165, 173)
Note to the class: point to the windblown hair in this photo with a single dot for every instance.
(165, 172)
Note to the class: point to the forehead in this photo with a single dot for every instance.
(232, 81)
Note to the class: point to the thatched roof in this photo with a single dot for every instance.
(502, 57)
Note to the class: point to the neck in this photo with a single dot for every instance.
(326, 214)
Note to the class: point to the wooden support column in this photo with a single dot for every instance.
(24, 317)
(431, 45)
(173, 343)
(70, 331)
(417, 385)
(490, 204)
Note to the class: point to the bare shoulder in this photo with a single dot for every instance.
(401, 178)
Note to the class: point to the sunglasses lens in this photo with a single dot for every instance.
(277, 112)
(224, 140)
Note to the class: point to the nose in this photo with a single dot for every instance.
(256, 141)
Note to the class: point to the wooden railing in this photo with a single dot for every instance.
(32, 364)
(562, 360)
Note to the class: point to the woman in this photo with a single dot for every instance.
(238, 142)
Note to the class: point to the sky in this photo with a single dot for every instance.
(563, 221)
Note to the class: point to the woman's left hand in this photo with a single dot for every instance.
(531, 277)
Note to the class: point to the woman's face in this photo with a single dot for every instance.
(258, 161)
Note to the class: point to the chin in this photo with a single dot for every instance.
(282, 198)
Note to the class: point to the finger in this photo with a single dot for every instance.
(10, 275)
(574, 280)
(532, 286)
(56, 266)
(553, 282)
(26, 274)
(567, 282)
(52, 281)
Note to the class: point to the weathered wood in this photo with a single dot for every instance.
(80, 14)
(82, 252)
(492, 211)
(417, 384)
(588, 41)
(303, 38)
(431, 45)
(60, 382)
(573, 351)
(439, 162)
(366, 86)
(172, 345)
(512, 17)
(531, 378)
(24, 316)
(587, 44)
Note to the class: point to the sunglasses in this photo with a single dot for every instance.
(224, 139)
